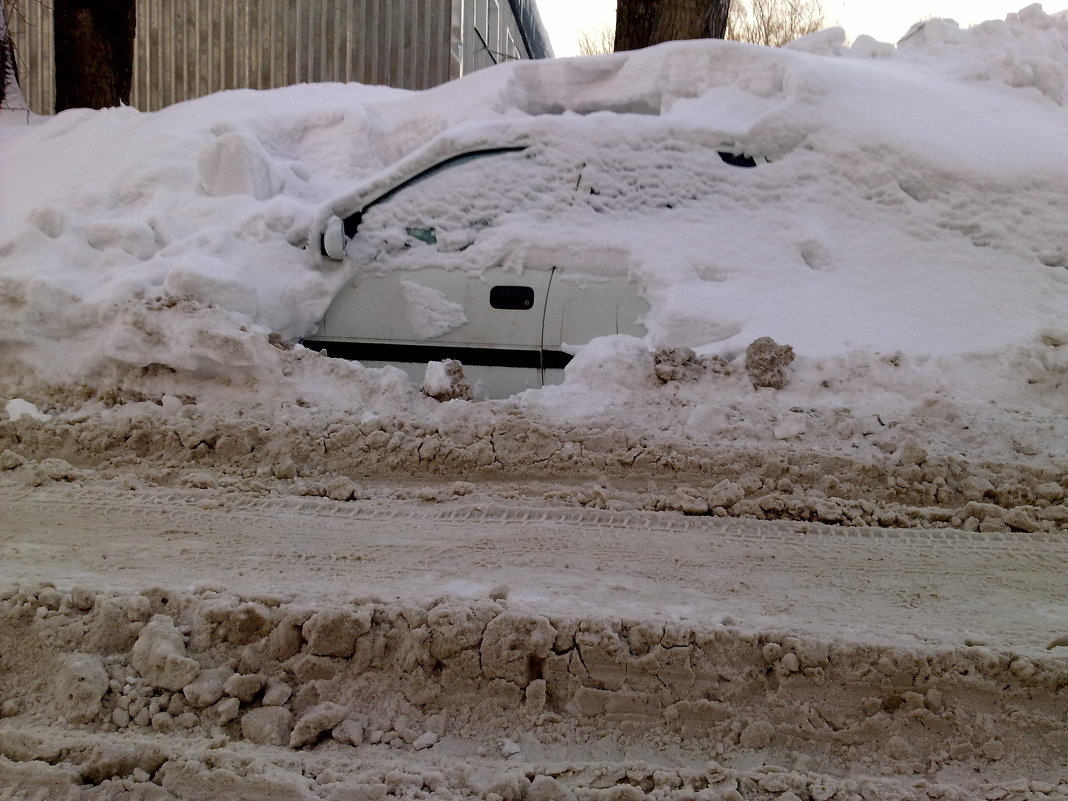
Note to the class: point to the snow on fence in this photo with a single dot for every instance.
(189, 48)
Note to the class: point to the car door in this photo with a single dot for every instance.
(581, 307)
(492, 323)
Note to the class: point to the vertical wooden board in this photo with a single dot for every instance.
(310, 45)
(340, 40)
(256, 38)
(369, 46)
(312, 41)
(211, 50)
(349, 27)
(319, 42)
(406, 55)
(137, 90)
(191, 60)
(469, 38)
(33, 31)
(455, 38)
(385, 40)
(232, 44)
(223, 40)
(170, 94)
(424, 43)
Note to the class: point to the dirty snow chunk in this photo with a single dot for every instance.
(208, 687)
(80, 685)
(511, 642)
(17, 407)
(82, 598)
(9, 460)
(277, 693)
(349, 732)
(268, 725)
(427, 740)
(159, 656)
(757, 735)
(546, 788)
(768, 363)
(607, 363)
(333, 632)
(790, 426)
(429, 312)
(244, 687)
(225, 710)
(237, 164)
(315, 721)
(510, 748)
(445, 381)
(1054, 337)
(898, 748)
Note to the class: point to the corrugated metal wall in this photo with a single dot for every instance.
(195, 47)
(488, 34)
(189, 48)
(31, 30)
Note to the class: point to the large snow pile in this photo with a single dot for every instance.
(913, 210)
(853, 386)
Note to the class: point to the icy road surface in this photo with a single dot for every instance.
(944, 587)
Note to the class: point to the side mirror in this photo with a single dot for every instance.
(333, 241)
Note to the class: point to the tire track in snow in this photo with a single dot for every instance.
(912, 583)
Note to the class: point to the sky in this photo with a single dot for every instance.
(566, 19)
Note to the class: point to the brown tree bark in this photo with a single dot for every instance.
(643, 23)
(9, 74)
(94, 52)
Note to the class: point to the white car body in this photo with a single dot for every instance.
(512, 326)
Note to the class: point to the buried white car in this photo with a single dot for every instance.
(429, 284)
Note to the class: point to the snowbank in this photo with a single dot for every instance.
(913, 203)
(461, 698)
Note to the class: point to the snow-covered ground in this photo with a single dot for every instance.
(655, 580)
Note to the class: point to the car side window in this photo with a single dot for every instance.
(446, 206)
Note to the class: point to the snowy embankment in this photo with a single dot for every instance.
(913, 210)
(907, 237)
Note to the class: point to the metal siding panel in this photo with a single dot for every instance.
(31, 28)
(170, 94)
(344, 33)
(414, 55)
(189, 48)
(493, 30)
(385, 43)
(310, 15)
(370, 28)
(470, 38)
(298, 43)
(456, 40)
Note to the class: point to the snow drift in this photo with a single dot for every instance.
(913, 202)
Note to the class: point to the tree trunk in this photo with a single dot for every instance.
(643, 23)
(10, 95)
(94, 52)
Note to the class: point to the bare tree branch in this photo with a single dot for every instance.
(774, 22)
(597, 42)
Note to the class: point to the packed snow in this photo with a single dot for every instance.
(805, 539)
(912, 202)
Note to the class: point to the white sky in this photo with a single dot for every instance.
(565, 19)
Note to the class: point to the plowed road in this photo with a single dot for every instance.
(911, 587)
